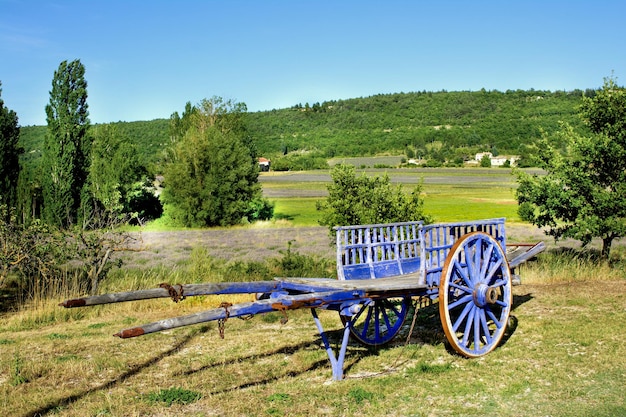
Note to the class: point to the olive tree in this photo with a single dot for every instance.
(583, 193)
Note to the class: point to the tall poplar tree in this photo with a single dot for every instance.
(66, 149)
(9, 155)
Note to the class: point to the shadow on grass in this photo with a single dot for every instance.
(281, 216)
(53, 407)
(280, 352)
(518, 300)
(63, 402)
(428, 330)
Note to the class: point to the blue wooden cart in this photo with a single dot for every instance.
(380, 269)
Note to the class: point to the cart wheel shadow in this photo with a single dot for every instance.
(428, 328)
(518, 300)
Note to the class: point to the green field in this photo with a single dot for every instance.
(451, 203)
(449, 194)
(300, 211)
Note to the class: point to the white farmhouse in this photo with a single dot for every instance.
(497, 161)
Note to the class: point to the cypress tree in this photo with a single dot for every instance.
(66, 149)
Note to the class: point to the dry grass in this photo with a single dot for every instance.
(564, 355)
(251, 243)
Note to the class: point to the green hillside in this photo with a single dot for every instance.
(442, 126)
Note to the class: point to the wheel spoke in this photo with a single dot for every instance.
(468, 325)
(485, 265)
(471, 271)
(460, 271)
(502, 304)
(389, 306)
(358, 314)
(493, 318)
(376, 321)
(477, 329)
(465, 299)
(493, 271)
(460, 287)
(385, 317)
(499, 283)
(485, 325)
(459, 320)
(366, 323)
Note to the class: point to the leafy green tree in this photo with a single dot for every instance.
(358, 199)
(29, 194)
(66, 149)
(117, 178)
(179, 125)
(300, 162)
(9, 154)
(212, 176)
(583, 194)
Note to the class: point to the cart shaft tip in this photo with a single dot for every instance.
(77, 302)
(125, 334)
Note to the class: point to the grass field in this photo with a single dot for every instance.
(564, 356)
(453, 203)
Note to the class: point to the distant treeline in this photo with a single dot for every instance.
(442, 127)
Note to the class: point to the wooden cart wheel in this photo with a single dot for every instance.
(475, 295)
(380, 321)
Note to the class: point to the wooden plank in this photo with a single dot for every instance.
(177, 292)
(524, 253)
(407, 282)
(283, 303)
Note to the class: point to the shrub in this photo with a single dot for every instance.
(294, 264)
(361, 199)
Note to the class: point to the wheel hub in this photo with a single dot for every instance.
(484, 294)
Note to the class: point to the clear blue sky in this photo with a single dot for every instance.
(146, 59)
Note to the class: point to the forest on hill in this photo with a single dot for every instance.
(439, 128)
